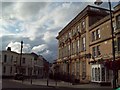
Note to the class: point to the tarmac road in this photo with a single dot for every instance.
(13, 85)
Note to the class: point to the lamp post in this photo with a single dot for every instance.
(31, 71)
(98, 2)
(21, 56)
(48, 74)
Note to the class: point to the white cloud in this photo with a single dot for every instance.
(23, 15)
(40, 48)
(48, 37)
(26, 11)
(16, 46)
(28, 30)
(33, 20)
(4, 32)
(43, 49)
(37, 18)
(47, 53)
(22, 10)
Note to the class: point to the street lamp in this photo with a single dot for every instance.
(98, 2)
(21, 56)
(31, 71)
(48, 74)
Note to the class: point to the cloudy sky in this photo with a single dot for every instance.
(37, 24)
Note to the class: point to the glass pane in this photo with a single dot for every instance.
(95, 74)
(103, 74)
(98, 74)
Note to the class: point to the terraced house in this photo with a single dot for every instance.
(85, 46)
(31, 64)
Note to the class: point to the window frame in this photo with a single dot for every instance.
(4, 69)
(118, 40)
(83, 70)
(118, 21)
(93, 36)
(23, 60)
(93, 51)
(11, 58)
(96, 51)
(5, 58)
(83, 43)
(11, 69)
(83, 24)
(98, 34)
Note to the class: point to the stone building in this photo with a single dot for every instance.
(101, 48)
(85, 45)
(38, 66)
(9, 60)
(117, 34)
(28, 65)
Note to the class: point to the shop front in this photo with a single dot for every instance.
(103, 72)
(100, 74)
(109, 65)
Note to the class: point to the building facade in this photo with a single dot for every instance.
(29, 64)
(85, 43)
(117, 34)
(38, 66)
(101, 48)
(8, 60)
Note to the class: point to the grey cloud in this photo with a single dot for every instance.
(15, 46)
(22, 10)
(8, 38)
(61, 13)
(47, 17)
(31, 8)
(106, 5)
(7, 8)
(38, 41)
(6, 4)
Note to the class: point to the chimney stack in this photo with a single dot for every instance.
(9, 49)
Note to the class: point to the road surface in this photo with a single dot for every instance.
(12, 85)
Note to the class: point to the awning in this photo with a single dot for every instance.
(109, 64)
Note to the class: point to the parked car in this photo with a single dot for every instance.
(18, 76)
(118, 88)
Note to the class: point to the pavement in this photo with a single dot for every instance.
(8, 84)
(53, 83)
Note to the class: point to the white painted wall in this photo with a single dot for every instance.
(10, 58)
(13, 57)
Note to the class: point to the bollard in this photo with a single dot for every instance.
(47, 82)
(56, 83)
